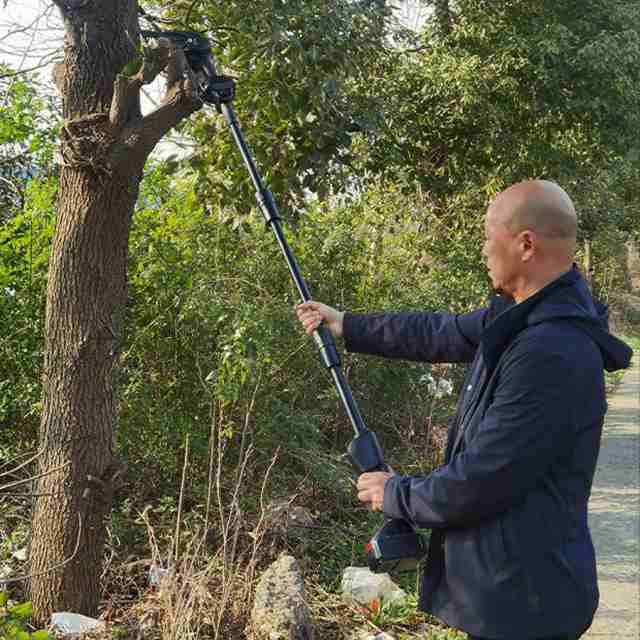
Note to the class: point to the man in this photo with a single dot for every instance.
(510, 555)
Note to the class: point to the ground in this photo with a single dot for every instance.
(614, 517)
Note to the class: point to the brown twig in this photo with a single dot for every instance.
(30, 495)
(22, 464)
(17, 483)
(176, 549)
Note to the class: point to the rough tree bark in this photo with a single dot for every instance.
(103, 146)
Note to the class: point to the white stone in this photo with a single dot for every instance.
(65, 623)
(364, 586)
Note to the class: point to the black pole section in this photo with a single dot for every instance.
(322, 335)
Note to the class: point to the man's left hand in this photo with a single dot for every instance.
(371, 488)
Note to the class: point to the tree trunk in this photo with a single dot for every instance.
(588, 266)
(85, 297)
(443, 16)
(104, 144)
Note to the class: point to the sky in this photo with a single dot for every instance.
(30, 35)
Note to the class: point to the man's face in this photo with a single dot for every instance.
(501, 253)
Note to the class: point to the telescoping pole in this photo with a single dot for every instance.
(396, 545)
(322, 335)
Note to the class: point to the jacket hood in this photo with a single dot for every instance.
(566, 299)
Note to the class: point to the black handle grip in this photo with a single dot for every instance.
(364, 453)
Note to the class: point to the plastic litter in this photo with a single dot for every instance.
(364, 586)
(67, 623)
(156, 575)
(20, 554)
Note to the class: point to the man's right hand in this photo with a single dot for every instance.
(311, 314)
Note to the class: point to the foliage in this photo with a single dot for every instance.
(14, 621)
(24, 251)
(28, 129)
(211, 334)
(518, 90)
(294, 63)
(26, 140)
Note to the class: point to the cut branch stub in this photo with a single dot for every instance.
(179, 101)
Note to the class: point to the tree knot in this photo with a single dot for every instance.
(85, 143)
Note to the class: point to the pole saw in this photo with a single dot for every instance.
(396, 545)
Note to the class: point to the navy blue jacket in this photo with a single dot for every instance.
(510, 552)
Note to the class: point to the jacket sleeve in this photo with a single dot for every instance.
(527, 426)
(425, 337)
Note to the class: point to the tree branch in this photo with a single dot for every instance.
(13, 74)
(180, 101)
(17, 483)
(22, 464)
(126, 94)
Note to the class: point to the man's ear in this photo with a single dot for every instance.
(527, 241)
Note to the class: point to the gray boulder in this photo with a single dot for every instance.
(280, 611)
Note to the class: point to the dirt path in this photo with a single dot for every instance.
(614, 515)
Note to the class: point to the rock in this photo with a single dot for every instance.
(65, 623)
(280, 611)
(289, 520)
(364, 586)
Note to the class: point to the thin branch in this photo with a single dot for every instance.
(176, 549)
(149, 97)
(189, 10)
(23, 29)
(22, 465)
(13, 74)
(212, 436)
(30, 495)
(17, 483)
(55, 567)
(247, 418)
(28, 47)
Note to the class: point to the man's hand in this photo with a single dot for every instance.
(371, 488)
(311, 314)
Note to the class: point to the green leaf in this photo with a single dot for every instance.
(40, 635)
(132, 67)
(4, 598)
(22, 610)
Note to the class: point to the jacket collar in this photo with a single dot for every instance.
(516, 317)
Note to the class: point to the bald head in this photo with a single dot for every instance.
(539, 206)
